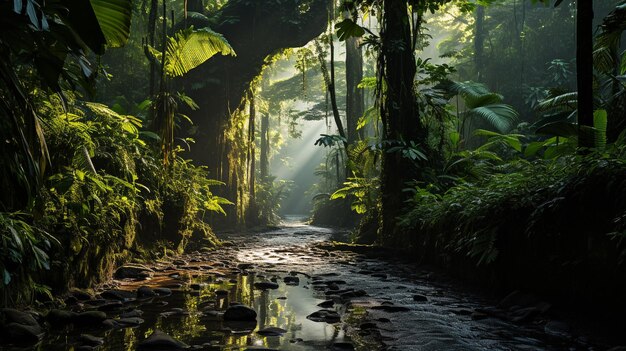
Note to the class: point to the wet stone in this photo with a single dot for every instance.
(90, 340)
(111, 306)
(120, 295)
(133, 272)
(89, 318)
(327, 316)
(163, 291)
(145, 292)
(130, 314)
(290, 280)
(60, 317)
(420, 298)
(265, 285)
(326, 304)
(239, 313)
(271, 331)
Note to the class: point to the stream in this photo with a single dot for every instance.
(369, 303)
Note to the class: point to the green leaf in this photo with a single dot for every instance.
(82, 18)
(561, 129)
(190, 48)
(600, 125)
(348, 29)
(6, 277)
(114, 17)
(532, 148)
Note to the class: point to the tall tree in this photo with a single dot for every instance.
(399, 110)
(479, 41)
(584, 66)
(265, 147)
(354, 95)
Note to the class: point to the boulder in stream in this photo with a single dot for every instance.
(133, 271)
(19, 327)
(239, 313)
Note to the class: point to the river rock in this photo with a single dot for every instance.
(129, 322)
(89, 318)
(159, 340)
(11, 315)
(327, 316)
(21, 333)
(111, 305)
(19, 327)
(163, 291)
(90, 340)
(133, 271)
(131, 314)
(293, 281)
(145, 292)
(239, 313)
(272, 331)
(326, 304)
(58, 318)
(420, 298)
(265, 285)
(120, 295)
(81, 295)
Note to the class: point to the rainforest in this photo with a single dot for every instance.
(302, 175)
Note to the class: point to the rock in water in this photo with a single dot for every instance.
(293, 281)
(265, 285)
(89, 318)
(91, 340)
(120, 295)
(327, 316)
(159, 340)
(133, 271)
(420, 298)
(145, 292)
(239, 313)
(272, 331)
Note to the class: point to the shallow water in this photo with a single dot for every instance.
(192, 314)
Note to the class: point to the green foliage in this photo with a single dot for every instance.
(190, 48)
(23, 255)
(348, 29)
(365, 192)
(481, 104)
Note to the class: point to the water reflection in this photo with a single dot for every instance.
(191, 315)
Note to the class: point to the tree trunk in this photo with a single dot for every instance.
(251, 147)
(154, 8)
(399, 113)
(584, 67)
(265, 147)
(479, 41)
(354, 96)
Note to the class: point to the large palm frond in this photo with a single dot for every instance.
(190, 48)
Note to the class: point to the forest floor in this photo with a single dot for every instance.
(204, 300)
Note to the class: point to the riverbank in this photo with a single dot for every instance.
(294, 291)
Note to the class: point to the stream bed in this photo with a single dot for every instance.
(305, 296)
